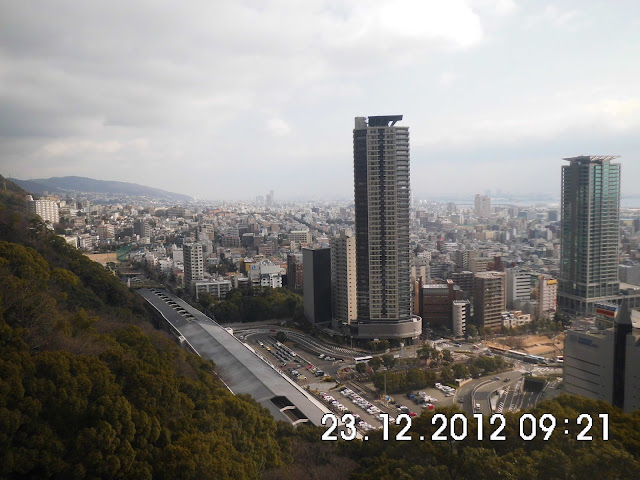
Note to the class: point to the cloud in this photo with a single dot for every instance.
(570, 19)
(447, 78)
(139, 89)
(278, 127)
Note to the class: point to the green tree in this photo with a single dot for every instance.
(389, 361)
(446, 375)
(446, 356)
(424, 352)
(375, 363)
(206, 299)
(460, 371)
(472, 331)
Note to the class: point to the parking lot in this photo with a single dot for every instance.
(346, 400)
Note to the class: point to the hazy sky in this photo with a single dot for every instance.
(229, 99)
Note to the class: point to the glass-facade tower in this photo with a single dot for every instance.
(590, 233)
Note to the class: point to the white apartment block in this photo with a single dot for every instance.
(47, 210)
(461, 309)
(547, 296)
(217, 288)
(272, 280)
(265, 274)
(515, 319)
(193, 264)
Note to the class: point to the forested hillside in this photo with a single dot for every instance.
(88, 389)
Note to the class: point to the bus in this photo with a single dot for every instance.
(362, 359)
(538, 359)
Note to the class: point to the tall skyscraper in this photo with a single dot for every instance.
(343, 278)
(589, 234)
(381, 174)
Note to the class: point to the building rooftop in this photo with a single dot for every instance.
(384, 120)
(591, 158)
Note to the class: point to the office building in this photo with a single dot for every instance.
(303, 237)
(265, 274)
(106, 231)
(47, 210)
(482, 206)
(547, 296)
(489, 299)
(436, 300)
(317, 285)
(231, 241)
(603, 364)
(270, 198)
(343, 279)
(463, 259)
(479, 264)
(205, 232)
(381, 177)
(629, 274)
(193, 264)
(589, 233)
(420, 267)
(176, 212)
(142, 228)
(518, 286)
(465, 281)
(295, 271)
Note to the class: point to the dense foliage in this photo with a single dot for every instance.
(412, 379)
(254, 304)
(89, 389)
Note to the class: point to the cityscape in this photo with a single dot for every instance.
(173, 315)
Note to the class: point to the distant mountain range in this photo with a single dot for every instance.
(89, 185)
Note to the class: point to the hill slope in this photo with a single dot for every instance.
(89, 389)
(90, 185)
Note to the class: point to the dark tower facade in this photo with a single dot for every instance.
(382, 196)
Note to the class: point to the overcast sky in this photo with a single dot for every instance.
(229, 99)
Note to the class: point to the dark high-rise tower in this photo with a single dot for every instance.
(590, 233)
(317, 284)
(381, 174)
